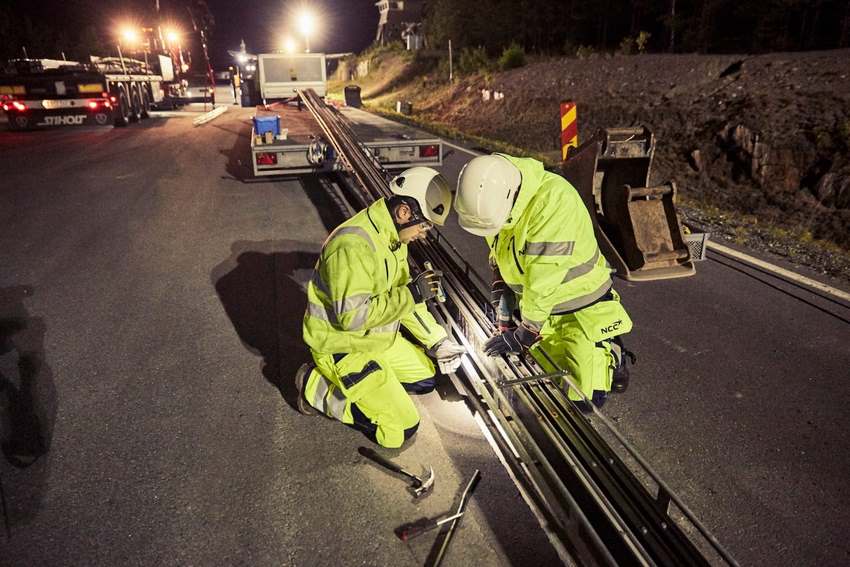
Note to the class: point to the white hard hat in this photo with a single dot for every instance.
(430, 190)
(485, 194)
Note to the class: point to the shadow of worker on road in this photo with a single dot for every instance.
(27, 410)
(262, 287)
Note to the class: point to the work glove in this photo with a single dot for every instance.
(517, 340)
(504, 313)
(503, 301)
(448, 354)
(425, 285)
(498, 288)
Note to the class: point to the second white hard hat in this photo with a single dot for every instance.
(485, 194)
(430, 190)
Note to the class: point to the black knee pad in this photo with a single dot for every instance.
(421, 387)
(408, 433)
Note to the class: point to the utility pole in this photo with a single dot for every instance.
(451, 78)
(672, 25)
(845, 28)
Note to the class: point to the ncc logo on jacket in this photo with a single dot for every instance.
(612, 327)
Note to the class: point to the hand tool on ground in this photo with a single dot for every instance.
(421, 485)
(439, 549)
(422, 525)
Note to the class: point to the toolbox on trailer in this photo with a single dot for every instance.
(268, 123)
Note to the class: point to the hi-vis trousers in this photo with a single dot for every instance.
(580, 343)
(369, 390)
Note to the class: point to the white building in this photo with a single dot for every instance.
(397, 16)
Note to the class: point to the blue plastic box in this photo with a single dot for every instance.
(263, 124)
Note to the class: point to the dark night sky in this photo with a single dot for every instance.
(344, 25)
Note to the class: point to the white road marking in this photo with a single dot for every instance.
(793, 276)
(175, 113)
(211, 115)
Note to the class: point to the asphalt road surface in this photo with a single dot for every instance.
(150, 320)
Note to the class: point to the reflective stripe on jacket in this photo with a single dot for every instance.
(547, 251)
(358, 296)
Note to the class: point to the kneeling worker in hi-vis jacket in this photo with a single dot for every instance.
(359, 298)
(547, 263)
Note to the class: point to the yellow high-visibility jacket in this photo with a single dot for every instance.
(547, 251)
(358, 296)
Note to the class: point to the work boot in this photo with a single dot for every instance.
(301, 403)
(620, 380)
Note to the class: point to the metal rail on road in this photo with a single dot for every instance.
(594, 507)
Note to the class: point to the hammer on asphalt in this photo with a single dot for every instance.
(421, 485)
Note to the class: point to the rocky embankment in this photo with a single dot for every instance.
(758, 145)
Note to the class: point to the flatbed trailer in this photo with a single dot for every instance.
(303, 147)
(66, 93)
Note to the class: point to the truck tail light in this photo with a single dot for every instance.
(19, 106)
(93, 104)
(429, 151)
(266, 159)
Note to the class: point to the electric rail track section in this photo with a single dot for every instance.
(591, 504)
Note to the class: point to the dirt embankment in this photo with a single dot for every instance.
(759, 145)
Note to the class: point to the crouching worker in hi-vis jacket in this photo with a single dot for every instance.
(359, 298)
(547, 264)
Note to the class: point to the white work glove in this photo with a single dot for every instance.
(448, 354)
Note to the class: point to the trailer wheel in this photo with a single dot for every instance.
(19, 122)
(136, 106)
(122, 111)
(146, 104)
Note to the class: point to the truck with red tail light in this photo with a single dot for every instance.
(46, 92)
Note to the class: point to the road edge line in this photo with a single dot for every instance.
(793, 276)
(211, 115)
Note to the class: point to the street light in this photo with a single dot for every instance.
(307, 25)
(130, 36)
(172, 36)
(289, 45)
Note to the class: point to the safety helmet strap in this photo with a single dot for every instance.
(416, 216)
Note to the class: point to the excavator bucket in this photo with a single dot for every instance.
(636, 225)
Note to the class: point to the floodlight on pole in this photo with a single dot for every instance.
(306, 25)
(289, 45)
(129, 35)
(172, 36)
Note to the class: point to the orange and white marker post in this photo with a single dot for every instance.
(569, 127)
